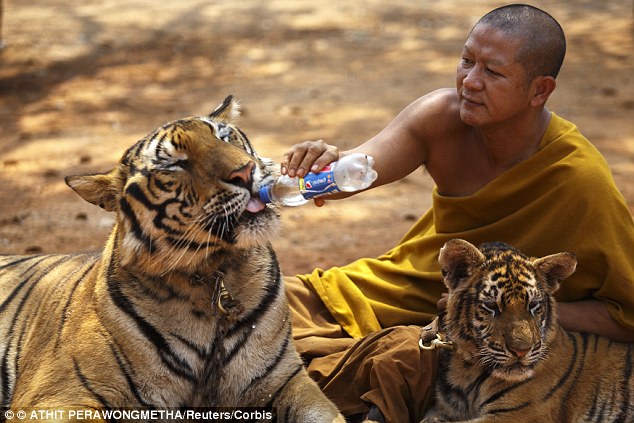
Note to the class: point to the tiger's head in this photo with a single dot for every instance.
(500, 311)
(185, 192)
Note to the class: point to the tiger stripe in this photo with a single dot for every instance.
(86, 384)
(125, 369)
(74, 284)
(168, 356)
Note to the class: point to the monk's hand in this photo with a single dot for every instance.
(308, 156)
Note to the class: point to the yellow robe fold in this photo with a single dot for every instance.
(561, 199)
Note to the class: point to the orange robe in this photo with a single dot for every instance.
(561, 199)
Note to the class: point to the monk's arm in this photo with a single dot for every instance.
(592, 316)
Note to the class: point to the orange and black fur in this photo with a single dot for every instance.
(184, 307)
(511, 361)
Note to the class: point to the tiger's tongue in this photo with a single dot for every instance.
(255, 205)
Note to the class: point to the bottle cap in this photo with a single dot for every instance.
(265, 194)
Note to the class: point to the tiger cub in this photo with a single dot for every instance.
(511, 361)
(184, 307)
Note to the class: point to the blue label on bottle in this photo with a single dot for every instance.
(318, 184)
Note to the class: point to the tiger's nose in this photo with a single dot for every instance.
(242, 177)
(520, 337)
(519, 352)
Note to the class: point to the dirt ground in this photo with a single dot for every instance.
(81, 81)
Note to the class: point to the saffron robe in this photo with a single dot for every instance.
(563, 198)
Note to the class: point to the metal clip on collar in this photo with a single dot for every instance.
(436, 343)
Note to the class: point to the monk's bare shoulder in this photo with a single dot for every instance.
(435, 115)
(416, 135)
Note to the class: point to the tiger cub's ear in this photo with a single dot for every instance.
(555, 268)
(457, 258)
(227, 112)
(99, 189)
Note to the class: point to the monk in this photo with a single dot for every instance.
(505, 169)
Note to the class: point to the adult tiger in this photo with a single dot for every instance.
(511, 361)
(185, 305)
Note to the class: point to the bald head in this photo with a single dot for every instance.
(542, 40)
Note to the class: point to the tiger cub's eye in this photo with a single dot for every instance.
(534, 306)
(491, 306)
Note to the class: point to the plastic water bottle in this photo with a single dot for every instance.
(351, 173)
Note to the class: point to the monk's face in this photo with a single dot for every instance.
(491, 83)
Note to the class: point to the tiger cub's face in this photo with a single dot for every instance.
(185, 191)
(500, 311)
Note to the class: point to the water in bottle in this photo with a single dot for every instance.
(351, 173)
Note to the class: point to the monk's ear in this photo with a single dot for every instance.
(543, 87)
(457, 258)
(100, 189)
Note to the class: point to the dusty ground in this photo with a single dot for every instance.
(81, 81)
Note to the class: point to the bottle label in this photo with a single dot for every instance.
(318, 184)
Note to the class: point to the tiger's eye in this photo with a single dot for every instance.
(534, 306)
(491, 306)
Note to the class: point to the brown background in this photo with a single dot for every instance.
(82, 80)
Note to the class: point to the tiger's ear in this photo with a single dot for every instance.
(457, 258)
(555, 268)
(99, 189)
(227, 112)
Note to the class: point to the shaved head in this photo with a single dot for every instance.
(542, 40)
